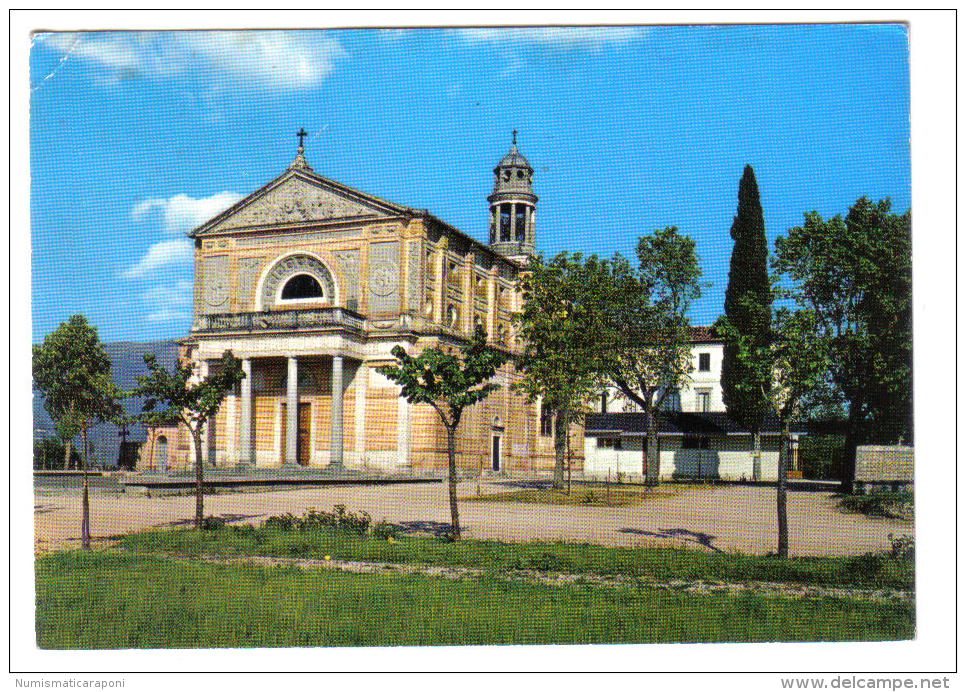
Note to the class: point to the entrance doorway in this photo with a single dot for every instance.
(303, 446)
(496, 452)
(161, 453)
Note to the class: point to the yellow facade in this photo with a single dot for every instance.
(307, 276)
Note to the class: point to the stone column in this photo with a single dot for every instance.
(292, 413)
(362, 385)
(246, 456)
(530, 226)
(513, 222)
(335, 453)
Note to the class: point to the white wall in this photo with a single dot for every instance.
(729, 458)
(700, 380)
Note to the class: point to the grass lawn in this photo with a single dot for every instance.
(108, 600)
(661, 563)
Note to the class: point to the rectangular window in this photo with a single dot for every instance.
(609, 442)
(704, 362)
(703, 400)
(696, 442)
(546, 421)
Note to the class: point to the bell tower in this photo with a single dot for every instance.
(512, 206)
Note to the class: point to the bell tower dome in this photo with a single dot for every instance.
(512, 206)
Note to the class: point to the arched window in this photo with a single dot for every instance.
(301, 287)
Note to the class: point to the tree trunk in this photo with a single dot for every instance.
(756, 454)
(85, 502)
(651, 456)
(782, 491)
(199, 479)
(454, 511)
(852, 437)
(67, 449)
(561, 425)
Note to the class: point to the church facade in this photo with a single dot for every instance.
(311, 284)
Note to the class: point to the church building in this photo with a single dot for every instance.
(311, 284)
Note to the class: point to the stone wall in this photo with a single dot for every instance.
(886, 467)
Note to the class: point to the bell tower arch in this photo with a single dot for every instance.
(513, 206)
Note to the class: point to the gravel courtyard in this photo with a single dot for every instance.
(720, 518)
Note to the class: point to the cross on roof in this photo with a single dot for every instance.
(300, 134)
(514, 136)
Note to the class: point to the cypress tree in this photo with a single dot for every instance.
(748, 308)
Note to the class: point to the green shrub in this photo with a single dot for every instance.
(339, 519)
(212, 523)
(541, 562)
(822, 456)
(903, 547)
(384, 530)
(897, 505)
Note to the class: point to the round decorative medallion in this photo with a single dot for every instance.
(217, 291)
(385, 278)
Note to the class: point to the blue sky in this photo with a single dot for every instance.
(137, 137)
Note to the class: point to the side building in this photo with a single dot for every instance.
(696, 437)
(311, 284)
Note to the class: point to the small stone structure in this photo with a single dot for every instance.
(880, 467)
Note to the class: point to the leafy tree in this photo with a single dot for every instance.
(855, 274)
(73, 373)
(747, 307)
(558, 327)
(792, 361)
(644, 343)
(449, 383)
(187, 397)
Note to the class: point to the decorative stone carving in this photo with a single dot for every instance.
(349, 259)
(293, 238)
(217, 281)
(289, 267)
(295, 201)
(384, 277)
(415, 275)
(247, 273)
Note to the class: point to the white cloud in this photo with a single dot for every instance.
(182, 213)
(564, 36)
(168, 302)
(163, 254)
(286, 60)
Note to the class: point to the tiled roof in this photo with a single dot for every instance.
(701, 334)
(671, 423)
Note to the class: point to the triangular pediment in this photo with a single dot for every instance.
(297, 198)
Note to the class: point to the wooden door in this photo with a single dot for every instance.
(303, 449)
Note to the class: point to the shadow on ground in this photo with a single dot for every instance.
(702, 539)
(436, 528)
(227, 518)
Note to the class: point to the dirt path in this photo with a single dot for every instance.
(722, 518)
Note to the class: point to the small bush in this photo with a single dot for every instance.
(903, 547)
(898, 505)
(339, 519)
(384, 530)
(282, 522)
(212, 523)
(823, 456)
(590, 498)
(541, 562)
